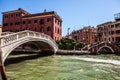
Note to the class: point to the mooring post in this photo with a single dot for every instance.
(3, 72)
(2, 68)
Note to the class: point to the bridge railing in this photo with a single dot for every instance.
(97, 44)
(93, 45)
(4, 39)
(37, 34)
(5, 33)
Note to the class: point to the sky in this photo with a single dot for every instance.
(75, 13)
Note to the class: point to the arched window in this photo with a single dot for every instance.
(48, 28)
(55, 29)
(42, 29)
(48, 19)
(58, 31)
(41, 21)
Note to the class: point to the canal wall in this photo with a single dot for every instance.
(59, 52)
(33, 51)
(72, 52)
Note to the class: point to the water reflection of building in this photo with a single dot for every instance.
(86, 35)
(109, 31)
(49, 23)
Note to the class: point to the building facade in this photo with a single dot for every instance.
(105, 32)
(86, 35)
(49, 23)
(109, 31)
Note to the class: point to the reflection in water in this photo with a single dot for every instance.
(66, 68)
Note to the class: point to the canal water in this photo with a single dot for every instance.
(83, 67)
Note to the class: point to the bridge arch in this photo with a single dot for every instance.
(108, 47)
(9, 47)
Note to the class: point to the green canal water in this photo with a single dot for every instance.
(83, 67)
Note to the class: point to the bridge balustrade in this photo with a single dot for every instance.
(94, 48)
(5, 33)
(5, 39)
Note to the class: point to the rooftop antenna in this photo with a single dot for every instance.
(68, 30)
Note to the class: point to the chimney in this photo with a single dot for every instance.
(44, 10)
(19, 8)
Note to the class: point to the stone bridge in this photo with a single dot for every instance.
(10, 41)
(101, 47)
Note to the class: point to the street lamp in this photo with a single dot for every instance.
(68, 31)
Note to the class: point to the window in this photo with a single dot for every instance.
(104, 39)
(41, 29)
(48, 19)
(11, 15)
(42, 21)
(117, 25)
(105, 33)
(23, 29)
(117, 31)
(24, 22)
(117, 39)
(17, 23)
(112, 32)
(29, 22)
(55, 20)
(35, 21)
(112, 39)
(112, 26)
(5, 16)
(109, 32)
(17, 15)
(5, 24)
(11, 24)
(109, 26)
(58, 31)
(109, 39)
(48, 28)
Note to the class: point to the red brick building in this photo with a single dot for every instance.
(110, 31)
(86, 35)
(49, 23)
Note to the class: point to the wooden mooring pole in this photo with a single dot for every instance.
(2, 68)
(3, 72)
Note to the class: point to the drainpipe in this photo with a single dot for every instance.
(2, 68)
